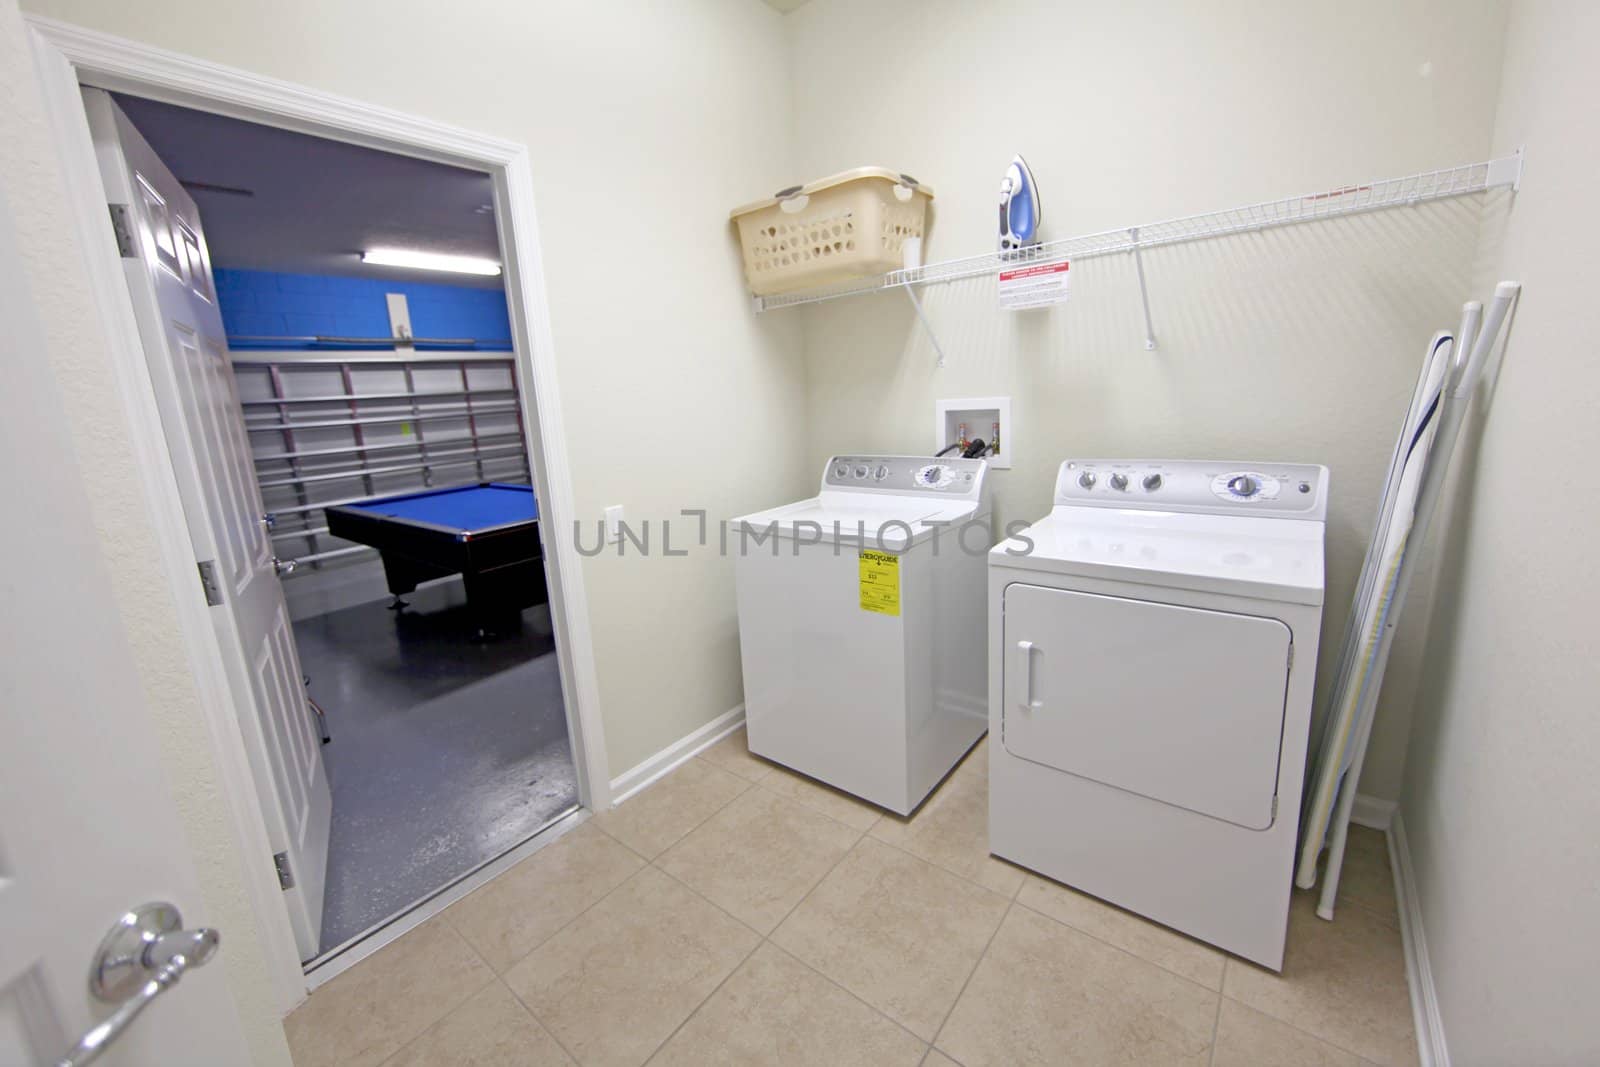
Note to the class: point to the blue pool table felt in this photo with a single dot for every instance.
(469, 508)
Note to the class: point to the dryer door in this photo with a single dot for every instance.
(1178, 704)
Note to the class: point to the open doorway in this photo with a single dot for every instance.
(426, 733)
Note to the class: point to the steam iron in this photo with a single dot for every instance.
(1019, 207)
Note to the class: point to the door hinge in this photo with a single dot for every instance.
(280, 860)
(208, 581)
(122, 226)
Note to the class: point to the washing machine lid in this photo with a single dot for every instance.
(893, 523)
(1267, 558)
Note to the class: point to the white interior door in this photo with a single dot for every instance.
(1177, 704)
(88, 825)
(168, 268)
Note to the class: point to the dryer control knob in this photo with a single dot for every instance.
(1243, 485)
(1086, 479)
(1152, 482)
(1119, 481)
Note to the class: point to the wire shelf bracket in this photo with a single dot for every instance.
(1339, 202)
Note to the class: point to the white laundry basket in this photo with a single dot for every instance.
(848, 225)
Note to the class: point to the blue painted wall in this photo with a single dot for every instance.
(267, 303)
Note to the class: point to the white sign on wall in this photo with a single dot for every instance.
(1040, 285)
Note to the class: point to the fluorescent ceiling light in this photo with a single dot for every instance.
(401, 257)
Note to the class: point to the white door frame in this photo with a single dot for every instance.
(66, 56)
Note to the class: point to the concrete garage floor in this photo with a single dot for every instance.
(446, 752)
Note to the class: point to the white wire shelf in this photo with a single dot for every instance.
(1332, 203)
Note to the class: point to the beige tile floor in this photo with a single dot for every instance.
(736, 913)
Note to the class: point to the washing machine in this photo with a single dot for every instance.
(861, 624)
(1152, 648)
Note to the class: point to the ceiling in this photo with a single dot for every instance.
(290, 202)
(785, 6)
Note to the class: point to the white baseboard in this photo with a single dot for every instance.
(1431, 1048)
(1372, 812)
(636, 778)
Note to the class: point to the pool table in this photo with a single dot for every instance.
(488, 534)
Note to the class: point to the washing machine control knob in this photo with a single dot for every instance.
(1119, 481)
(1152, 482)
(1243, 485)
(1086, 479)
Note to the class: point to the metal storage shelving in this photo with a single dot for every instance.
(331, 428)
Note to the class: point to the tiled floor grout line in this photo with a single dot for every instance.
(644, 864)
(1390, 919)
(440, 1020)
(987, 945)
(766, 939)
(1297, 1028)
(649, 860)
(651, 864)
(540, 1023)
(708, 997)
(1126, 951)
(708, 900)
(954, 873)
(525, 1005)
(860, 837)
(748, 785)
(1216, 1023)
(877, 816)
(647, 864)
(862, 834)
(1016, 896)
(1228, 959)
(852, 995)
(826, 977)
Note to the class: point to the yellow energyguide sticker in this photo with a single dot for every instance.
(880, 583)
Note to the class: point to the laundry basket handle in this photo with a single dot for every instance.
(791, 200)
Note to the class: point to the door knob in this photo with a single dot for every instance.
(142, 956)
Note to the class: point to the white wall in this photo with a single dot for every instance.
(1501, 795)
(646, 122)
(1298, 344)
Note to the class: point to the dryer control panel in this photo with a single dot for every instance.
(947, 476)
(1272, 490)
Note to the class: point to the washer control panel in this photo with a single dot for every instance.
(1287, 490)
(945, 476)
(1245, 486)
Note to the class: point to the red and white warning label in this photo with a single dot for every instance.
(1035, 286)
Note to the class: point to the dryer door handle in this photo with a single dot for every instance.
(1025, 671)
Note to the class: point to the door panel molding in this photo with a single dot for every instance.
(66, 56)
